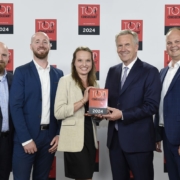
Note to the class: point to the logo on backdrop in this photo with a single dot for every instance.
(166, 59)
(172, 17)
(6, 18)
(96, 57)
(10, 64)
(96, 168)
(48, 26)
(52, 173)
(88, 19)
(134, 25)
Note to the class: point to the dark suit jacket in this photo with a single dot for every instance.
(9, 77)
(26, 102)
(139, 100)
(171, 110)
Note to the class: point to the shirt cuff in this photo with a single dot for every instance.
(27, 142)
(122, 116)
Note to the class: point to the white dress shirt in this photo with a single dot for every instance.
(166, 83)
(45, 88)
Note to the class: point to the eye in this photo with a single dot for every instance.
(177, 41)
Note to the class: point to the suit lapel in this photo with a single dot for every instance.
(163, 74)
(135, 71)
(9, 80)
(52, 83)
(119, 72)
(34, 70)
(174, 80)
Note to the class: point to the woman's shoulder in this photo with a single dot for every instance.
(67, 77)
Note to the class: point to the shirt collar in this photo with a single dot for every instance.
(39, 67)
(130, 65)
(177, 64)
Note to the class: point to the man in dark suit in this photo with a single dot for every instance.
(134, 93)
(167, 121)
(6, 127)
(32, 106)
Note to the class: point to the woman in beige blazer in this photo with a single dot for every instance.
(78, 132)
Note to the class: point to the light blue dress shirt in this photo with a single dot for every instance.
(4, 99)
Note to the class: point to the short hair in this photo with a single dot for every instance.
(171, 29)
(128, 31)
(91, 74)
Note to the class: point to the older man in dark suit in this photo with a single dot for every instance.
(167, 121)
(6, 127)
(134, 92)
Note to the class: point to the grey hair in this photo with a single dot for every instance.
(128, 31)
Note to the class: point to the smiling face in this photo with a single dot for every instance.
(4, 57)
(126, 48)
(173, 44)
(83, 63)
(40, 45)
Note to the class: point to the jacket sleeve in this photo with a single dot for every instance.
(63, 108)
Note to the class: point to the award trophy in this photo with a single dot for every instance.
(98, 101)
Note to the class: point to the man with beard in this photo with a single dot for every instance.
(6, 127)
(32, 106)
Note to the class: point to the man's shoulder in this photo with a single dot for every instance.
(56, 70)
(24, 67)
(9, 74)
(116, 66)
(148, 66)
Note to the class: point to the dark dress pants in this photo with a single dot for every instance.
(5, 157)
(172, 158)
(41, 161)
(140, 163)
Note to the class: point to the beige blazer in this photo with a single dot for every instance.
(71, 137)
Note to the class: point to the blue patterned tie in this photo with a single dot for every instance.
(122, 83)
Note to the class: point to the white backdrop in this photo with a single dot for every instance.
(112, 12)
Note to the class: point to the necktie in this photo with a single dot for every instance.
(122, 83)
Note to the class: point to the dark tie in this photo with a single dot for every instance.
(122, 83)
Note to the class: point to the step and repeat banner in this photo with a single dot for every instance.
(92, 23)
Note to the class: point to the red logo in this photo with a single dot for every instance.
(6, 18)
(10, 64)
(96, 57)
(136, 26)
(167, 59)
(89, 19)
(48, 26)
(172, 16)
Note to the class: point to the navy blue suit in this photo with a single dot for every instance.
(6, 143)
(26, 109)
(135, 139)
(170, 134)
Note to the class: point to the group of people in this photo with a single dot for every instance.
(42, 111)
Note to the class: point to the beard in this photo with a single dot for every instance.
(2, 67)
(41, 55)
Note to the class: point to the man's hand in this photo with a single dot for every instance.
(114, 114)
(54, 144)
(179, 150)
(158, 146)
(30, 148)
